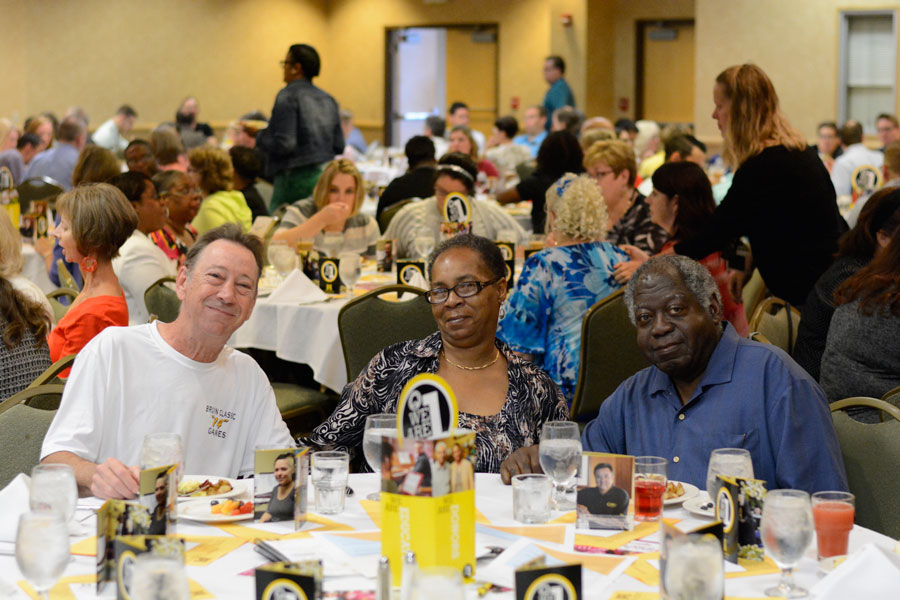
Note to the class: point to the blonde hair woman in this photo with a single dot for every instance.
(212, 172)
(781, 197)
(333, 207)
(559, 284)
(96, 219)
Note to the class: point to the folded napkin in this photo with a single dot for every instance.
(14, 500)
(297, 289)
(872, 572)
(417, 280)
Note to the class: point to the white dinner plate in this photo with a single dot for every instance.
(199, 510)
(698, 506)
(237, 487)
(689, 492)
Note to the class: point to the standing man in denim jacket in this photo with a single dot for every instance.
(304, 132)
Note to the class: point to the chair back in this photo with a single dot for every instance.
(609, 355)
(871, 454)
(45, 397)
(161, 300)
(753, 293)
(53, 371)
(778, 321)
(37, 188)
(384, 219)
(370, 323)
(65, 276)
(22, 431)
(60, 309)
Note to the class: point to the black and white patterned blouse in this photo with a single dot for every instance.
(531, 399)
(636, 228)
(21, 364)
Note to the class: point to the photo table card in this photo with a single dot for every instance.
(561, 582)
(280, 485)
(605, 488)
(129, 547)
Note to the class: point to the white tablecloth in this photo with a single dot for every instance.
(223, 577)
(301, 333)
(35, 269)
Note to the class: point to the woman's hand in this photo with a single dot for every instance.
(624, 270)
(335, 214)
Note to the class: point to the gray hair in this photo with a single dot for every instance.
(694, 275)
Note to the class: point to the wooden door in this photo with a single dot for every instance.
(472, 74)
(666, 82)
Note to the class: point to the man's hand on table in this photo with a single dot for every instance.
(112, 479)
(523, 460)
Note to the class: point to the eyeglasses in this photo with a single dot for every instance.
(601, 174)
(463, 289)
(284, 63)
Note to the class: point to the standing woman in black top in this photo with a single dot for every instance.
(781, 197)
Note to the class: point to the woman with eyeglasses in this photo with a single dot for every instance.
(182, 201)
(558, 285)
(502, 397)
(612, 165)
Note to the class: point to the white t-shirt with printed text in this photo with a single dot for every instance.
(128, 382)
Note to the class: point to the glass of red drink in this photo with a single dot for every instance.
(649, 487)
(833, 514)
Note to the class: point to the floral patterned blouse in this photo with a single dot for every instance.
(545, 312)
(636, 228)
(531, 399)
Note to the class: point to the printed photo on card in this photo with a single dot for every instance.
(280, 484)
(158, 492)
(604, 490)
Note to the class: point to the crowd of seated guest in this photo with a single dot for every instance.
(514, 373)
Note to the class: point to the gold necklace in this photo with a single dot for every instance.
(484, 366)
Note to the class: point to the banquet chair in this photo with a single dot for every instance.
(22, 431)
(51, 375)
(65, 276)
(870, 454)
(384, 219)
(753, 293)
(59, 309)
(758, 337)
(37, 188)
(778, 321)
(161, 300)
(609, 355)
(369, 323)
(44, 397)
(892, 397)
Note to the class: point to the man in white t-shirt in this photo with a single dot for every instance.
(174, 377)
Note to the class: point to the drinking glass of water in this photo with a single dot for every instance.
(350, 269)
(53, 488)
(695, 568)
(377, 425)
(730, 462)
(42, 549)
(330, 471)
(787, 528)
(423, 243)
(161, 449)
(282, 257)
(560, 455)
(159, 577)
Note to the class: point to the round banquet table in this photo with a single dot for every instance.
(348, 544)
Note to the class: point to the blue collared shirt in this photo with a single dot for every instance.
(532, 143)
(751, 396)
(57, 163)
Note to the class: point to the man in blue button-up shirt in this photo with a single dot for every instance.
(709, 388)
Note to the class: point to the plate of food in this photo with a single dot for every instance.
(701, 506)
(207, 486)
(215, 511)
(678, 491)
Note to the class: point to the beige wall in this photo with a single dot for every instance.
(357, 44)
(628, 12)
(151, 54)
(795, 43)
